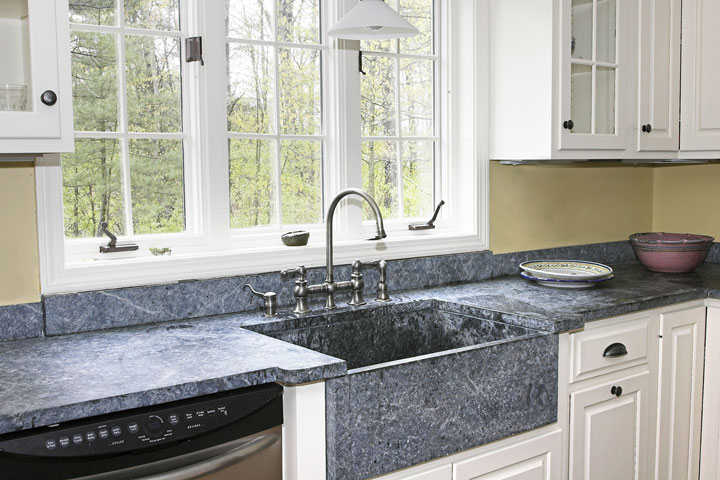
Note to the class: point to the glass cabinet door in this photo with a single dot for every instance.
(593, 70)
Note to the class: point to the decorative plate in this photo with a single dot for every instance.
(567, 269)
(558, 283)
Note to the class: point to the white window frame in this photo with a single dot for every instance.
(211, 249)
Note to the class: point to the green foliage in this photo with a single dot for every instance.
(93, 177)
(271, 181)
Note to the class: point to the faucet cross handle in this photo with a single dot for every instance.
(301, 290)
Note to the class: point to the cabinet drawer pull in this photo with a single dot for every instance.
(647, 128)
(615, 350)
(617, 391)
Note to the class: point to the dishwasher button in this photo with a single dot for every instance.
(50, 444)
(103, 432)
(77, 439)
(116, 431)
(188, 416)
(90, 436)
(174, 419)
(133, 428)
(64, 441)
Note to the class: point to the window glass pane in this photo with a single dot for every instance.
(252, 183)
(420, 14)
(250, 89)
(94, 75)
(95, 12)
(379, 168)
(582, 29)
(417, 178)
(581, 98)
(606, 31)
(299, 21)
(153, 84)
(378, 96)
(157, 191)
(152, 14)
(416, 97)
(92, 188)
(300, 102)
(301, 179)
(605, 101)
(249, 19)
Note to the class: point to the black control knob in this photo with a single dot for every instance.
(617, 391)
(154, 426)
(568, 124)
(646, 128)
(49, 98)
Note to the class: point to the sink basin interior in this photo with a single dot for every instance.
(370, 337)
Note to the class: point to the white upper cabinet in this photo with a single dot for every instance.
(560, 75)
(700, 125)
(659, 76)
(594, 74)
(35, 91)
(601, 79)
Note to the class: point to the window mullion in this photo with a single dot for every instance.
(125, 142)
(276, 113)
(214, 151)
(398, 146)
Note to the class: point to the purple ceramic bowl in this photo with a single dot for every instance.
(671, 252)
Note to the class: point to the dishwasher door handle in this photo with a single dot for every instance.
(231, 457)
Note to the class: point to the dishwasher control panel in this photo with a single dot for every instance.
(138, 429)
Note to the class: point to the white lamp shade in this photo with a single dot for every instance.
(372, 20)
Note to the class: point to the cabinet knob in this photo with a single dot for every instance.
(647, 128)
(617, 391)
(568, 124)
(49, 98)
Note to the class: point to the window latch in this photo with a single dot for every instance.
(193, 50)
(113, 246)
(360, 63)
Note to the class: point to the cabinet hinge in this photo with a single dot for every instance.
(193, 50)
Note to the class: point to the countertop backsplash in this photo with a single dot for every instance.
(123, 307)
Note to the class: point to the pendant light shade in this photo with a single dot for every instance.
(372, 20)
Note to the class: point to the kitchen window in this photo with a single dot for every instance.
(212, 161)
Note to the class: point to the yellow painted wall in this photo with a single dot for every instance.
(19, 270)
(544, 206)
(687, 199)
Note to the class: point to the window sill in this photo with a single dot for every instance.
(106, 274)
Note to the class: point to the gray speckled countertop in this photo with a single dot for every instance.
(50, 380)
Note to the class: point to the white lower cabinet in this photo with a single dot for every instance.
(710, 450)
(535, 459)
(641, 421)
(680, 387)
(608, 429)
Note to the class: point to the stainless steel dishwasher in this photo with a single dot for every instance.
(227, 436)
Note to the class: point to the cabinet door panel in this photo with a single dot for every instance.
(680, 394)
(535, 459)
(700, 96)
(608, 433)
(710, 445)
(659, 75)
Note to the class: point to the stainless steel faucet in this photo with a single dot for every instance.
(330, 286)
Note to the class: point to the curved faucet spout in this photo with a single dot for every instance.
(329, 278)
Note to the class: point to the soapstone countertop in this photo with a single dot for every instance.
(44, 381)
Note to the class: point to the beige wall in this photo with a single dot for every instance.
(534, 207)
(19, 271)
(687, 199)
